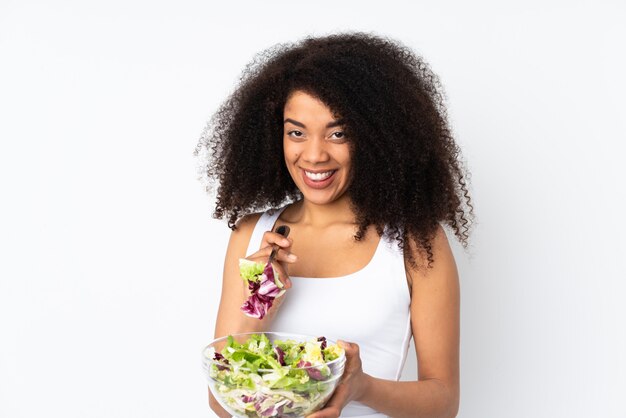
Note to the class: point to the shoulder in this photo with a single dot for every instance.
(247, 223)
(240, 236)
(245, 227)
(443, 260)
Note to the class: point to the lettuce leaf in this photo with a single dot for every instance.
(250, 270)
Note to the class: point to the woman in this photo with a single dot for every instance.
(345, 139)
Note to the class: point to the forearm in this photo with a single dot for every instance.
(217, 408)
(415, 399)
(241, 324)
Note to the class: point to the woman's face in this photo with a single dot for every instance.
(316, 150)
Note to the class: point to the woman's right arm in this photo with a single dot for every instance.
(230, 319)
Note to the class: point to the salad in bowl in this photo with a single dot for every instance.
(272, 374)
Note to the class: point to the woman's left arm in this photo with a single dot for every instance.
(435, 306)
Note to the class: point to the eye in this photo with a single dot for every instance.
(338, 135)
(296, 134)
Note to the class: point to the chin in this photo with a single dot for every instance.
(317, 200)
(321, 198)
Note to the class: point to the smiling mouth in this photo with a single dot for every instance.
(319, 180)
(319, 176)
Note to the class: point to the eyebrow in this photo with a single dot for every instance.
(332, 124)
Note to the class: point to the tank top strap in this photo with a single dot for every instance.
(265, 223)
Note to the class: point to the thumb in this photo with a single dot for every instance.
(349, 347)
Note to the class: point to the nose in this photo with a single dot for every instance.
(315, 151)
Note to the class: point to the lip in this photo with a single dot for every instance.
(318, 184)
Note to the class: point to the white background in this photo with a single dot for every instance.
(111, 264)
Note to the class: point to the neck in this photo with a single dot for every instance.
(309, 213)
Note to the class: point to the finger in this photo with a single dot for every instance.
(350, 348)
(282, 255)
(327, 412)
(285, 256)
(273, 238)
(353, 357)
(262, 253)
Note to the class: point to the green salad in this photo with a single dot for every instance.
(283, 379)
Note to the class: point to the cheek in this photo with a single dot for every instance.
(291, 159)
(290, 153)
(346, 159)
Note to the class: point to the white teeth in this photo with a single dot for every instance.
(318, 176)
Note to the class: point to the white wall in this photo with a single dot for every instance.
(110, 264)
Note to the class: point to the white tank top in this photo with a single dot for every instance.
(369, 307)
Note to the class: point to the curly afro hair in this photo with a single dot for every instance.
(407, 172)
